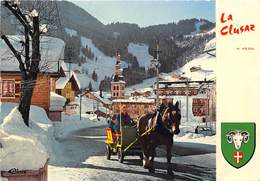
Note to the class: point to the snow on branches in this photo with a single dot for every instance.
(34, 13)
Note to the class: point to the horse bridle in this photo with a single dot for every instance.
(165, 116)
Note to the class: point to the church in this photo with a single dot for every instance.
(136, 106)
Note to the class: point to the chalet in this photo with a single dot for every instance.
(195, 69)
(52, 50)
(135, 107)
(68, 86)
(178, 91)
(141, 93)
(98, 97)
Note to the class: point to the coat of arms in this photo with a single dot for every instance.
(238, 143)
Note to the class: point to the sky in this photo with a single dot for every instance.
(145, 13)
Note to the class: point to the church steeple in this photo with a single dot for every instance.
(118, 69)
(118, 83)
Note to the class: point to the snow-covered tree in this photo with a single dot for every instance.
(29, 59)
(90, 87)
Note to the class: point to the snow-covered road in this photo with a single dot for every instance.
(81, 156)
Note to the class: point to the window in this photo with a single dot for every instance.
(17, 88)
(7, 89)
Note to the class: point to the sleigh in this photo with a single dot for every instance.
(122, 143)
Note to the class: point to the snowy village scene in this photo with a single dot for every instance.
(107, 90)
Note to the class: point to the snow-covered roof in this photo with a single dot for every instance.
(104, 99)
(118, 82)
(62, 81)
(51, 49)
(167, 77)
(56, 102)
(191, 85)
(134, 100)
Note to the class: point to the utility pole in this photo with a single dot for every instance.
(80, 105)
(156, 63)
(70, 55)
(187, 100)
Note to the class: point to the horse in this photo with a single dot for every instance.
(160, 127)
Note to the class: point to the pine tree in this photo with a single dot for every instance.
(94, 76)
(90, 88)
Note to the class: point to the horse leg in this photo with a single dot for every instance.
(146, 161)
(151, 167)
(169, 157)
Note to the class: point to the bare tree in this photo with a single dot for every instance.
(27, 14)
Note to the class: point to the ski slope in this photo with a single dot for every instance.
(103, 65)
(141, 53)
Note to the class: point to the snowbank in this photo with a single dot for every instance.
(196, 138)
(22, 148)
(40, 125)
(187, 135)
(57, 102)
(5, 109)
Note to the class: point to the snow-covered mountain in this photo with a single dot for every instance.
(103, 65)
(140, 51)
(200, 68)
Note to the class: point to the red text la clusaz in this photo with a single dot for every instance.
(231, 29)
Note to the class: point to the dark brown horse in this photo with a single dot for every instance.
(164, 123)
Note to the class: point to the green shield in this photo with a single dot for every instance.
(238, 142)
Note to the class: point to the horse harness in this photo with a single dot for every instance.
(152, 126)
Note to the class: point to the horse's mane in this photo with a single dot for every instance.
(164, 115)
(150, 120)
(142, 122)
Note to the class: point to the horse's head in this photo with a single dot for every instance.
(172, 117)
